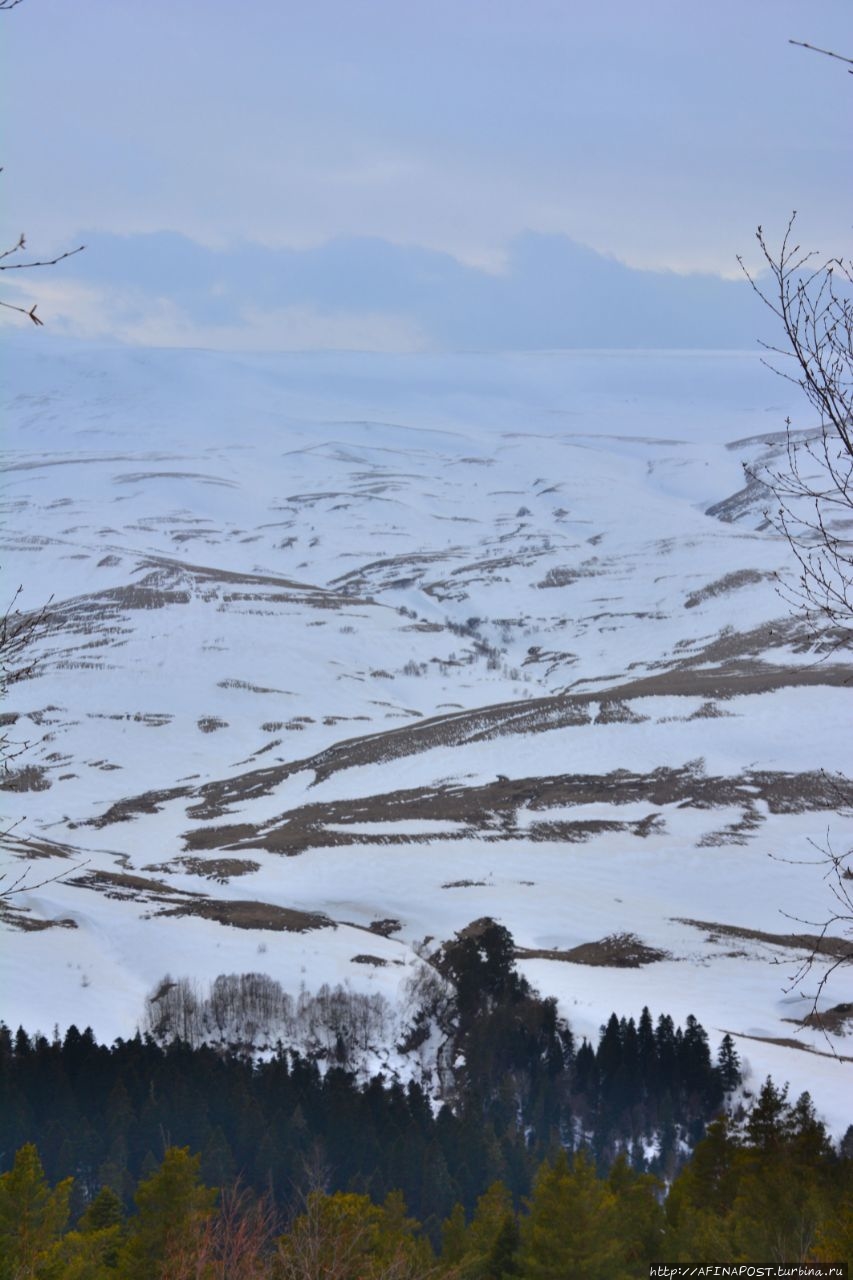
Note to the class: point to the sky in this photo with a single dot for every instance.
(387, 174)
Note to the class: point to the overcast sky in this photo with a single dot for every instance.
(658, 133)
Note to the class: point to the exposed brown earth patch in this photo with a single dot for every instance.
(490, 811)
(812, 943)
(134, 477)
(21, 918)
(616, 711)
(219, 837)
(385, 927)
(617, 951)
(837, 1019)
(127, 887)
(739, 832)
(726, 669)
(253, 915)
(210, 724)
(562, 576)
(708, 711)
(32, 847)
(219, 869)
(147, 802)
(30, 778)
(788, 1042)
(750, 500)
(721, 586)
(209, 573)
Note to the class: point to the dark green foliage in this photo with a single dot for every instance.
(771, 1186)
(480, 962)
(644, 1079)
(32, 1215)
(520, 1091)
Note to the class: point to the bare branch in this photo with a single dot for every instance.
(16, 248)
(812, 492)
(47, 262)
(23, 310)
(828, 53)
(20, 884)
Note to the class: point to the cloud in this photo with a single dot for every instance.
(368, 294)
(98, 312)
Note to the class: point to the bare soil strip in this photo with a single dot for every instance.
(490, 811)
(254, 915)
(788, 1042)
(813, 943)
(617, 951)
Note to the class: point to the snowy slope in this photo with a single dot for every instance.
(414, 639)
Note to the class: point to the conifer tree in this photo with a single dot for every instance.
(502, 1259)
(168, 1206)
(106, 1210)
(640, 1215)
(571, 1231)
(32, 1216)
(728, 1063)
(454, 1237)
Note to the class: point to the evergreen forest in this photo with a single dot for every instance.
(540, 1158)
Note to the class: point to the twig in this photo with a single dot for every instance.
(828, 53)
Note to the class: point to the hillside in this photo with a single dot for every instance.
(347, 651)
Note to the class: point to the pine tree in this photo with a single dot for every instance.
(454, 1236)
(492, 1207)
(106, 1210)
(501, 1262)
(640, 1215)
(168, 1205)
(571, 1231)
(32, 1216)
(766, 1123)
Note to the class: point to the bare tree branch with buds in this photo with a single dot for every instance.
(812, 491)
(27, 266)
(827, 53)
(19, 632)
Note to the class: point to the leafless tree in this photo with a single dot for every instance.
(234, 1243)
(19, 629)
(812, 490)
(828, 952)
(19, 632)
(811, 297)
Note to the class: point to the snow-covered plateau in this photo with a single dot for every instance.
(345, 651)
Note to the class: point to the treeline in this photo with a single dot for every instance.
(510, 1087)
(770, 1188)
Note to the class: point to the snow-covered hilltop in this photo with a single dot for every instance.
(346, 651)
